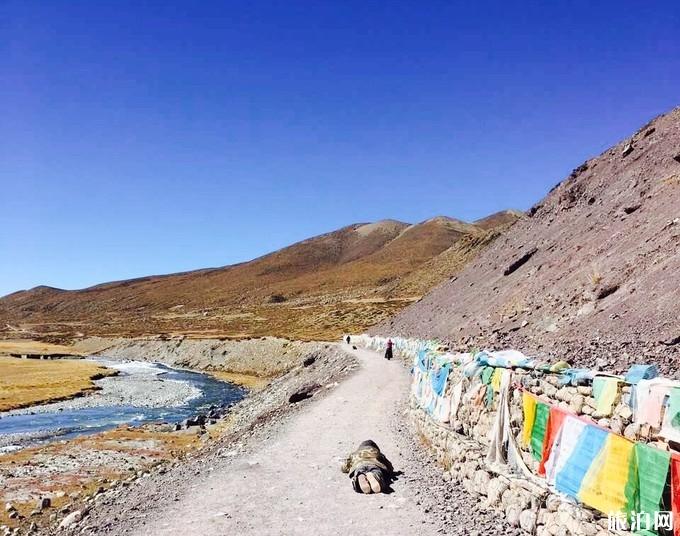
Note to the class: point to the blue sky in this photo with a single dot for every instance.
(151, 137)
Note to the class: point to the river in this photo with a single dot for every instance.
(141, 393)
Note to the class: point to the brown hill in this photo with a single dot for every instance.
(342, 281)
(591, 274)
(498, 219)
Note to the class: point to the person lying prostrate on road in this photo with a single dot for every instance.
(369, 469)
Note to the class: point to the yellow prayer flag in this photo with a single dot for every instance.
(496, 379)
(529, 409)
(607, 484)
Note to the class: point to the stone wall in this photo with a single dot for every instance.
(520, 502)
(461, 447)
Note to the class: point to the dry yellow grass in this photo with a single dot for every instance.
(24, 382)
(34, 347)
(321, 288)
(250, 381)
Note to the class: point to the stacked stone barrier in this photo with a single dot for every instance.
(463, 445)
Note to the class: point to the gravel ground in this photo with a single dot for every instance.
(449, 507)
(280, 468)
(255, 421)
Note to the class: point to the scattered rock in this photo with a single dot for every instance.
(605, 291)
(198, 420)
(672, 341)
(527, 520)
(303, 393)
(71, 519)
(626, 413)
(520, 262)
(631, 431)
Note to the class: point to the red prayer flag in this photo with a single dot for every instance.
(555, 420)
(675, 492)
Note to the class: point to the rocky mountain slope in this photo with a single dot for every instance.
(320, 288)
(591, 275)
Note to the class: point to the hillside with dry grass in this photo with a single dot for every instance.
(343, 281)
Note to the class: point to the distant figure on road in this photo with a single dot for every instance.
(369, 469)
(388, 350)
(348, 339)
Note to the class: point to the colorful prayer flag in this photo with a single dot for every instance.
(587, 447)
(539, 429)
(651, 466)
(555, 419)
(610, 484)
(529, 410)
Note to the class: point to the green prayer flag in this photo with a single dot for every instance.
(489, 396)
(652, 466)
(538, 431)
(487, 372)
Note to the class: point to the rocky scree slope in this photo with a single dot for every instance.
(591, 275)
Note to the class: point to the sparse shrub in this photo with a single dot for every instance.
(595, 276)
(447, 462)
(277, 298)
(423, 439)
(673, 180)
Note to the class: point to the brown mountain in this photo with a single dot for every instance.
(342, 281)
(591, 275)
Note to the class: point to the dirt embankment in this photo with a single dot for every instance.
(243, 362)
(590, 276)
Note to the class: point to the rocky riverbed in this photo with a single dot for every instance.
(139, 384)
(124, 468)
(142, 392)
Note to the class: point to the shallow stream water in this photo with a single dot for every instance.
(141, 393)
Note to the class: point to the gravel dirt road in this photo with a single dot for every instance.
(292, 484)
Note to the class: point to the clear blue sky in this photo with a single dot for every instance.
(151, 137)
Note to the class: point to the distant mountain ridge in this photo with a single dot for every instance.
(345, 280)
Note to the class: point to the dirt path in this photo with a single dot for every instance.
(293, 485)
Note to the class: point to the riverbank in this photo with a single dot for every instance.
(265, 357)
(141, 392)
(77, 474)
(26, 382)
(249, 381)
(132, 383)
